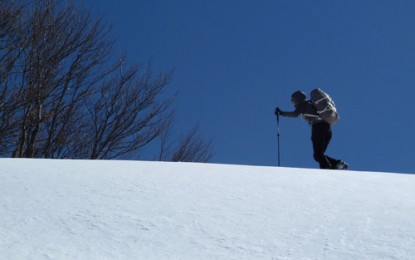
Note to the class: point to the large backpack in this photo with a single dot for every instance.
(325, 106)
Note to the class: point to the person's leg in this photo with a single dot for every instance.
(335, 163)
(320, 136)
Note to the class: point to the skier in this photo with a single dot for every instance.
(320, 130)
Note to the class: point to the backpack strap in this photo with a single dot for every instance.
(324, 110)
(321, 99)
(311, 115)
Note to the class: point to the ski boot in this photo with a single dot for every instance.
(342, 165)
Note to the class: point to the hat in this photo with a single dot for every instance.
(298, 96)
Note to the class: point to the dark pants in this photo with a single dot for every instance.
(321, 136)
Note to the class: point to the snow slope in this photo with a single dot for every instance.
(68, 209)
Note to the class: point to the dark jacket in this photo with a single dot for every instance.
(308, 111)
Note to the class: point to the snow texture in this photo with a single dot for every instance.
(73, 209)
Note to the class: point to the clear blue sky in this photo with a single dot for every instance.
(236, 60)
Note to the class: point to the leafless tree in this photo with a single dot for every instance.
(9, 53)
(128, 113)
(64, 94)
(193, 148)
(62, 55)
(165, 139)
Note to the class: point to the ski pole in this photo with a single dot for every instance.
(278, 138)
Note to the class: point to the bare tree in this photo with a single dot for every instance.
(165, 139)
(9, 53)
(193, 148)
(63, 50)
(128, 113)
(64, 95)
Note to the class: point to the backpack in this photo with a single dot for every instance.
(326, 109)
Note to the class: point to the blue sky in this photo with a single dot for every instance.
(236, 60)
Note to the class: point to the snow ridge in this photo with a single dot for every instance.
(74, 209)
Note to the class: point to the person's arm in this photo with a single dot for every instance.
(294, 113)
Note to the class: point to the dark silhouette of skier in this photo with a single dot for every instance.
(320, 130)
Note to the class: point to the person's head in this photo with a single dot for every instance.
(298, 97)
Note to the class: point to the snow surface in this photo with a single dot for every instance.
(69, 209)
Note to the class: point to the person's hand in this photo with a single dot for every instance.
(277, 111)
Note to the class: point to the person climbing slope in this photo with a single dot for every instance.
(321, 132)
